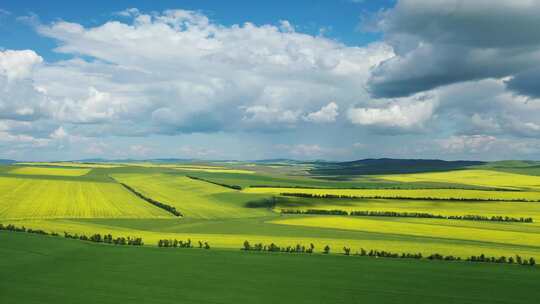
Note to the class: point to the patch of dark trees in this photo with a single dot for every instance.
(427, 198)
(262, 203)
(299, 249)
(163, 206)
(234, 187)
(174, 243)
(96, 238)
(468, 217)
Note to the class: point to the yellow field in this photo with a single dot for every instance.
(214, 170)
(71, 164)
(436, 228)
(512, 209)
(485, 178)
(194, 199)
(49, 171)
(407, 193)
(40, 198)
(445, 245)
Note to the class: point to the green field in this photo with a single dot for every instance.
(36, 269)
(88, 199)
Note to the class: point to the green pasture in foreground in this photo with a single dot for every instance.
(38, 269)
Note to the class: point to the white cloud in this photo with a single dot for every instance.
(404, 115)
(467, 143)
(326, 114)
(18, 64)
(191, 74)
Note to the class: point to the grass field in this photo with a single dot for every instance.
(45, 272)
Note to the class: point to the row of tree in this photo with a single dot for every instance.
(235, 187)
(247, 246)
(381, 187)
(343, 196)
(298, 248)
(107, 239)
(166, 207)
(11, 227)
(469, 217)
(97, 238)
(174, 243)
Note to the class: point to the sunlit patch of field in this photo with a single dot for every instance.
(213, 170)
(443, 229)
(71, 164)
(49, 171)
(193, 198)
(41, 198)
(407, 193)
(511, 209)
(485, 178)
(332, 231)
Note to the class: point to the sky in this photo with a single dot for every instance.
(246, 80)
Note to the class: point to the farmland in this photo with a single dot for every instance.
(224, 206)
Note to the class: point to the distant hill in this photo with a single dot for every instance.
(7, 161)
(373, 166)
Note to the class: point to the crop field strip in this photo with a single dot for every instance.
(422, 194)
(192, 198)
(49, 171)
(22, 198)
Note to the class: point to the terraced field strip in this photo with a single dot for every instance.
(41, 198)
(49, 171)
(354, 235)
(193, 198)
(528, 236)
(213, 170)
(440, 194)
(512, 209)
(71, 164)
(486, 178)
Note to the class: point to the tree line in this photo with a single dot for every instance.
(298, 248)
(174, 243)
(235, 187)
(166, 207)
(380, 187)
(343, 196)
(107, 239)
(96, 237)
(469, 217)
(272, 247)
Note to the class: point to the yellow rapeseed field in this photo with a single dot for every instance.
(407, 193)
(485, 178)
(41, 198)
(49, 171)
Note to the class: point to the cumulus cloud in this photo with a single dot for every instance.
(468, 143)
(326, 114)
(443, 42)
(178, 71)
(394, 115)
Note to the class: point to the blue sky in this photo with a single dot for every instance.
(336, 80)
